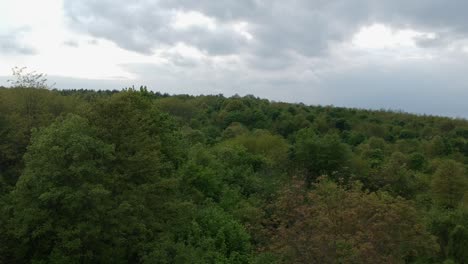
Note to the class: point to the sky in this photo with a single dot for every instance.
(402, 55)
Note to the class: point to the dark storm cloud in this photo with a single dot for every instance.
(10, 43)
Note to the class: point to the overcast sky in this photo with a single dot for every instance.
(391, 54)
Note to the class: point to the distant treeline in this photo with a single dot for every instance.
(136, 176)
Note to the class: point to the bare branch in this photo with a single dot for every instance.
(32, 79)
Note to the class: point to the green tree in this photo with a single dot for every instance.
(417, 161)
(261, 142)
(213, 236)
(458, 243)
(319, 155)
(450, 228)
(148, 143)
(449, 184)
(60, 201)
(21, 110)
(439, 146)
(394, 176)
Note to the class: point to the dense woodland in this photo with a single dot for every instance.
(134, 176)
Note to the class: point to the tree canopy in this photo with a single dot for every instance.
(136, 176)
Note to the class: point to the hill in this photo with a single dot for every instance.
(135, 176)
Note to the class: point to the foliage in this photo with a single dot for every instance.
(137, 176)
(319, 155)
(331, 224)
(449, 184)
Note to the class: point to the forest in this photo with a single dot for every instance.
(136, 176)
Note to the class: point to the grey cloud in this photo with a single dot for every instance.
(144, 26)
(269, 61)
(225, 10)
(10, 43)
(423, 87)
(179, 60)
(71, 43)
(419, 86)
(287, 36)
(305, 27)
(93, 42)
(129, 25)
(435, 42)
(429, 14)
(336, 20)
(278, 27)
(221, 42)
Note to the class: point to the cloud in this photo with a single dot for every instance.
(302, 26)
(145, 26)
(71, 43)
(414, 86)
(362, 53)
(11, 43)
(93, 42)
